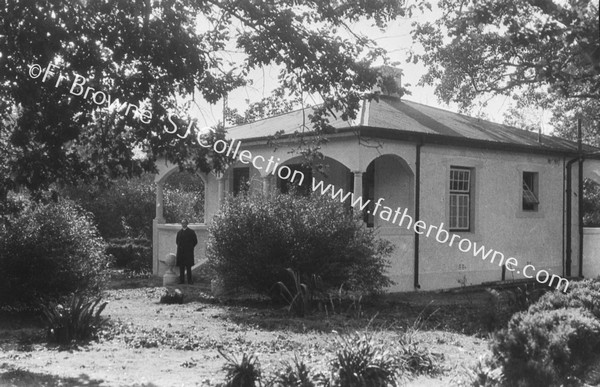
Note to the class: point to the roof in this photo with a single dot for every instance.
(395, 118)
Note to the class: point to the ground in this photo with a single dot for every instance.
(153, 344)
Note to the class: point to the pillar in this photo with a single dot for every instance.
(160, 202)
(158, 219)
(220, 188)
(358, 183)
(266, 184)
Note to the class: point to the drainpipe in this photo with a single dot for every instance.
(417, 205)
(580, 197)
(563, 217)
(569, 206)
(579, 159)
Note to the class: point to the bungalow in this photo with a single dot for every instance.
(511, 190)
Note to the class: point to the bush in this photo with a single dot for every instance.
(244, 372)
(582, 294)
(133, 255)
(126, 208)
(416, 359)
(296, 374)
(547, 348)
(360, 362)
(298, 297)
(47, 252)
(79, 320)
(180, 204)
(487, 372)
(253, 240)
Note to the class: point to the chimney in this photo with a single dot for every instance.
(391, 81)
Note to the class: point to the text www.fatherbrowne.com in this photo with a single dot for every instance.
(385, 213)
(402, 218)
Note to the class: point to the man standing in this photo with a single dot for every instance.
(186, 241)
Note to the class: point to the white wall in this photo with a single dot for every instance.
(591, 252)
(166, 244)
(497, 221)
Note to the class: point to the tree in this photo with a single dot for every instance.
(494, 47)
(152, 54)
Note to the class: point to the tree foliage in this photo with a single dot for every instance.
(499, 47)
(158, 55)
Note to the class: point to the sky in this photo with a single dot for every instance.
(397, 41)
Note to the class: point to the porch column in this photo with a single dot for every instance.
(266, 184)
(358, 183)
(160, 202)
(220, 188)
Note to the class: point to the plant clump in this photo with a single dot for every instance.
(77, 320)
(255, 240)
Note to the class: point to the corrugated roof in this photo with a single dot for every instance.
(288, 122)
(406, 116)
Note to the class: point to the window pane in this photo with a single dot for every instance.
(453, 211)
(459, 211)
(530, 198)
(460, 180)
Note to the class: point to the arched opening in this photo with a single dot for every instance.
(389, 181)
(299, 175)
(389, 184)
(179, 195)
(183, 197)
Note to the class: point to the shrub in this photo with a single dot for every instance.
(503, 304)
(360, 362)
(12, 205)
(547, 348)
(298, 296)
(126, 208)
(123, 209)
(416, 359)
(295, 374)
(582, 294)
(47, 252)
(79, 320)
(254, 239)
(180, 204)
(244, 372)
(133, 255)
(487, 372)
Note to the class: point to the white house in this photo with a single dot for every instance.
(495, 185)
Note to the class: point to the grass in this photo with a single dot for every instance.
(173, 344)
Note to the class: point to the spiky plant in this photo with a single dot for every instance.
(79, 320)
(244, 372)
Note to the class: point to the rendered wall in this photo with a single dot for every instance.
(591, 252)
(498, 221)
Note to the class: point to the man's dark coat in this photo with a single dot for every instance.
(186, 241)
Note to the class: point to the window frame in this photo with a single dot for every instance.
(457, 189)
(532, 188)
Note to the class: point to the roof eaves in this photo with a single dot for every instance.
(440, 139)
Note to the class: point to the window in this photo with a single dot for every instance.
(530, 191)
(241, 180)
(460, 198)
